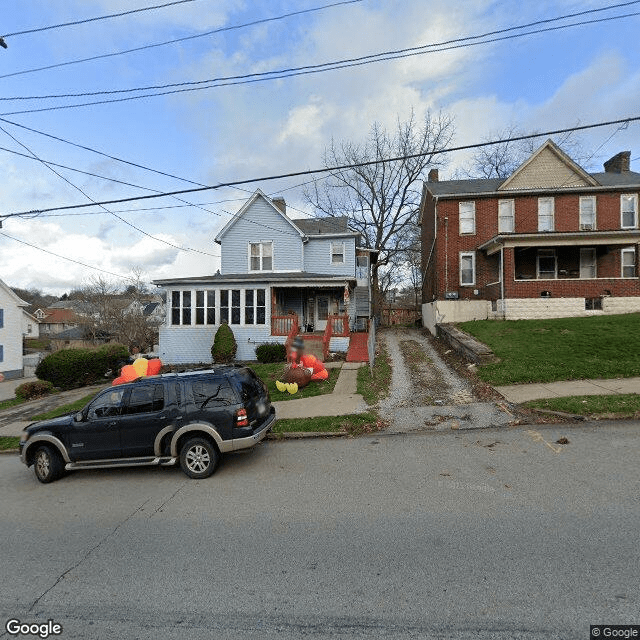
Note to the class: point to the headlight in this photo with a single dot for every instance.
(24, 436)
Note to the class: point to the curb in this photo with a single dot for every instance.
(301, 435)
(8, 451)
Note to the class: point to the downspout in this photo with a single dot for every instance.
(446, 254)
(504, 311)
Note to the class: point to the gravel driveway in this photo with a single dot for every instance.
(426, 394)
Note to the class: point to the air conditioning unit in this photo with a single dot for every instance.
(586, 227)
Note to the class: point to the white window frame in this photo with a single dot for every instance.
(594, 265)
(182, 308)
(331, 253)
(254, 306)
(622, 264)
(472, 255)
(633, 197)
(512, 216)
(588, 225)
(261, 257)
(552, 215)
(550, 253)
(471, 217)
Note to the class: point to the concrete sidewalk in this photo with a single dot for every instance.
(518, 393)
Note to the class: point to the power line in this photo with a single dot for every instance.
(183, 39)
(214, 83)
(95, 19)
(342, 167)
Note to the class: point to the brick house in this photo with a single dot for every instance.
(551, 240)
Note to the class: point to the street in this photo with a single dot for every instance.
(479, 534)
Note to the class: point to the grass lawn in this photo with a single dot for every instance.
(7, 404)
(65, 408)
(374, 387)
(625, 404)
(8, 442)
(560, 349)
(271, 372)
(354, 424)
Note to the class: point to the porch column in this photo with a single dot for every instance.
(508, 270)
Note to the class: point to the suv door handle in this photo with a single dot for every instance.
(112, 424)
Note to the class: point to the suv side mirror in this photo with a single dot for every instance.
(78, 417)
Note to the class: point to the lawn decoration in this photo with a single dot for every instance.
(141, 368)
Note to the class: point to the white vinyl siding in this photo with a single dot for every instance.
(545, 214)
(467, 269)
(547, 264)
(628, 263)
(337, 253)
(629, 211)
(588, 263)
(506, 216)
(467, 215)
(587, 213)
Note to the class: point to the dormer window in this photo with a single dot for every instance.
(261, 256)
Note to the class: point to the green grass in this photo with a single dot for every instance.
(374, 387)
(7, 404)
(65, 408)
(8, 442)
(560, 349)
(625, 404)
(271, 372)
(353, 424)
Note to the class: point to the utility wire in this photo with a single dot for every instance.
(95, 19)
(342, 167)
(183, 39)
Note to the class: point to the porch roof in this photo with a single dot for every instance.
(555, 239)
(290, 279)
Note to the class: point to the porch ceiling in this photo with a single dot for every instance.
(554, 239)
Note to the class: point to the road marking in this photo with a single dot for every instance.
(537, 436)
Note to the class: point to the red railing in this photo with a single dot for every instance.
(336, 326)
(293, 332)
(283, 325)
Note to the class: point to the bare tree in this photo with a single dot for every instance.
(381, 199)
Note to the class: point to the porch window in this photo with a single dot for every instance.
(211, 307)
(337, 253)
(545, 214)
(628, 263)
(587, 263)
(629, 211)
(260, 256)
(199, 307)
(467, 216)
(224, 305)
(547, 264)
(180, 307)
(254, 306)
(506, 217)
(235, 306)
(587, 213)
(467, 269)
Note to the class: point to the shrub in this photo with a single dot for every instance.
(224, 345)
(35, 389)
(71, 368)
(271, 352)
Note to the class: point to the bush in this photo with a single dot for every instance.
(35, 389)
(224, 345)
(271, 352)
(71, 368)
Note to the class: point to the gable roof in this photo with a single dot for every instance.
(323, 226)
(14, 296)
(57, 316)
(258, 194)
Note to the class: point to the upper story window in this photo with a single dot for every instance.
(545, 214)
(337, 253)
(181, 307)
(261, 256)
(629, 211)
(587, 213)
(467, 269)
(506, 216)
(467, 217)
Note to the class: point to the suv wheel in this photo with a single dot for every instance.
(199, 458)
(47, 464)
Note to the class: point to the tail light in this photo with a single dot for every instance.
(241, 418)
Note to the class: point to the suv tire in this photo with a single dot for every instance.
(47, 464)
(199, 458)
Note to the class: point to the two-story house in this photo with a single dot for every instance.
(551, 240)
(278, 276)
(12, 328)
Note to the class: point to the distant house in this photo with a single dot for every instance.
(278, 275)
(54, 320)
(30, 325)
(551, 240)
(78, 338)
(12, 325)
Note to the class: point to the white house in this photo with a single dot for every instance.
(12, 327)
(277, 275)
(30, 325)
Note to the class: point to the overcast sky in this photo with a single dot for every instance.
(575, 76)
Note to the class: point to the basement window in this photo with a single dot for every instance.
(593, 304)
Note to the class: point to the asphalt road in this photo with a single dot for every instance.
(488, 534)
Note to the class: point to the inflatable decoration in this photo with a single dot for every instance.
(298, 375)
(292, 388)
(141, 368)
(281, 386)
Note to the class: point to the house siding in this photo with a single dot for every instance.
(11, 336)
(317, 257)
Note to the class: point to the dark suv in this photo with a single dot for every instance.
(192, 417)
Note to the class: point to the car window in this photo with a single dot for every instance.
(212, 391)
(247, 384)
(145, 399)
(107, 405)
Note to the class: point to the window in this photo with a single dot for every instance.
(260, 256)
(211, 307)
(107, 405)
(235, 306)
(180, 307)
(467, 215)
(254, 306)
(337, 253)
(545, 214)
(199, 307)
(628, 263)
(212, 392)
(547, 264)
(1, 318)
(29, 328)
(467, 269)
(1, 353)
(587, 213)
(145, 399)
(587, 263)
(629, 211)
(506, 217)
(224, 305)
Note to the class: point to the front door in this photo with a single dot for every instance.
(322, 313)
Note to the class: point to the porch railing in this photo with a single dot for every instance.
(282, 325)
(336, 326)
(293, 332)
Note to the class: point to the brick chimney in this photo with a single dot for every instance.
(620, 163)
(433, 175)
(280, 203)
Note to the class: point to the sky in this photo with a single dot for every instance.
(545, 81)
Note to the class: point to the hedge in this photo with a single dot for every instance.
(271, 352)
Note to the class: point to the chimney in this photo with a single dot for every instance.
(620, 163)
(280, 203)
(433, 176)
